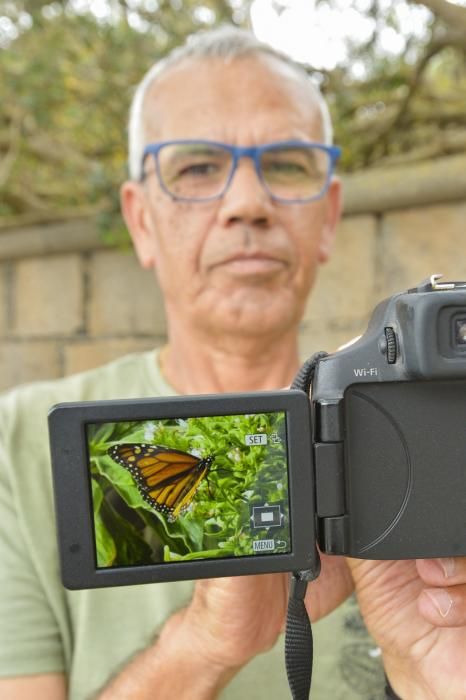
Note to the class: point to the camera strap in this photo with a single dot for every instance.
(298, 634)
(298, 641)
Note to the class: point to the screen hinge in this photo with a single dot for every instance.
(329, 463)
(333, 535)
(329, 466)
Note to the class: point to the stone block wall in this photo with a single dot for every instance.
(68, 303)
(376, 256)
(64, 313)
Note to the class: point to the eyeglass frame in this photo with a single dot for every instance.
(238, 152)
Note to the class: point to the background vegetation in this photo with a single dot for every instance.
(67, 75)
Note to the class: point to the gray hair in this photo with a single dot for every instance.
(225, 42)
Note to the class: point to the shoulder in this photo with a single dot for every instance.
(30, 403)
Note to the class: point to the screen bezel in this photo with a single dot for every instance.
(73, 501)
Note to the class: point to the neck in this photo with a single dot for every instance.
(195, 366)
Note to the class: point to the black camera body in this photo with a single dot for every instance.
(374, 466)
(389, 417)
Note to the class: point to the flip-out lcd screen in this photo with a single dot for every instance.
(185, 489)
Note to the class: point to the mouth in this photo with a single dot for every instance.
(252, 264)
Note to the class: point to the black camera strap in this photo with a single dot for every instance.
(298, 634)
(298, 641)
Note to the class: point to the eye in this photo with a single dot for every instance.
(198, 169)
(293, 165)
(286, 167)
(285, 170)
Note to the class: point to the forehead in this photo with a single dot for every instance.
(251, 99)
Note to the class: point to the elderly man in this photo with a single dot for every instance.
(234, 204)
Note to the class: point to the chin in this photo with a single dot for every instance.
(251, 312)
(257, 322)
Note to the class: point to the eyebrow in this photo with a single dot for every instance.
(193, 148)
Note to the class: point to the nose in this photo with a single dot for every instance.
(246, 200)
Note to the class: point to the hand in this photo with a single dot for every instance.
(416, 612)
(238, 618)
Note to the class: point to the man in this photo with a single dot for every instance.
(236, 252)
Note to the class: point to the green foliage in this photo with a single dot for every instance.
(129, 530)
(67, 78)
(65, 107)
(407, 106)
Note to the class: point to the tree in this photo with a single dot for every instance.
(62, 139)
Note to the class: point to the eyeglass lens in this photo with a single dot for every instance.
(295, 173)
(200, 171)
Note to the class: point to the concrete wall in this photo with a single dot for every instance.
(67, 303)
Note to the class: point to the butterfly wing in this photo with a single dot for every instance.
(167, 478)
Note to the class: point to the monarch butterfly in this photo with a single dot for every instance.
(166, 478)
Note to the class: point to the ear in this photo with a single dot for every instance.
(139, 221)
(332, 217)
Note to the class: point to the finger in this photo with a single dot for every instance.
(444, 607)
(331, 588)
(448, 571)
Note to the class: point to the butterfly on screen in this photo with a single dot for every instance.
(166, 478)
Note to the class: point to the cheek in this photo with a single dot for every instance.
(305, 231)
(173, 223)
(180, 233)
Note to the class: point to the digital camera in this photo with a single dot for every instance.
(373, 465)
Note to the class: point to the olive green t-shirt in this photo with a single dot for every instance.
(91, 634)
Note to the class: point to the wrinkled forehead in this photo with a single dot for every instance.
(258, 98)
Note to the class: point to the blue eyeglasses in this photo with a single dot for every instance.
(201, 171)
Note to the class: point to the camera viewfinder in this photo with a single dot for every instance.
(460, 331)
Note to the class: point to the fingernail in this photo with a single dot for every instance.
(441, 600)
(448, 566)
